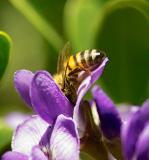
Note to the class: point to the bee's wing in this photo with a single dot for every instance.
(63, 56)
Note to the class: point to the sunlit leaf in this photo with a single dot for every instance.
(5, 44)
(80, 17)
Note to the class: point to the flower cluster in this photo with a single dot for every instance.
(41, 136)
(130, 124)
(60, 130)
(52, 133)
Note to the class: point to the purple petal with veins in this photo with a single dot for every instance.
(142, 147)
(47, 99)
(28, 135)
(132, 130)
(64, 142)
(37, 154)
(22, 80)
(108, 114)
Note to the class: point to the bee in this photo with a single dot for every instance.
(70, 66)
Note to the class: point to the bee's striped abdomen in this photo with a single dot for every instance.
(85, 59)
(90, 58)
(72, 62)
(86, 56)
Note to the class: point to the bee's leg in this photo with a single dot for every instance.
(86, 70)
(86, 73)
(73, 79)
(75, 71)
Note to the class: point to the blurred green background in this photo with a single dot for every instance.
(39, 29)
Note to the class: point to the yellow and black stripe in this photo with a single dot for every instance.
(84, 59)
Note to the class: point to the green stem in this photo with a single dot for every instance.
(39, 22)
(92, 142)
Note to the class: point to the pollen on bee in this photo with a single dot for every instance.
(58, 79)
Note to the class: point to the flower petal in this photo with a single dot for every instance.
(15, 118)
(64, 143)
(82, 90)
(126, 111)
(91, 79)
(132, 129)
(22, 80)
(45, 140)
(37, 154)
(97, 73)
(77, 115)
(14, 156)
(142, 148)
(47, 99)
(108, 114)
(28, 134)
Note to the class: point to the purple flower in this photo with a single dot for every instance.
(55, 135)
(135, 137)
(129, 125)
(110, 121)
(40, 91)
(107, 113)
(55, 131)
(35, 139)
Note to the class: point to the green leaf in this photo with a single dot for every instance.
(51, 11)
(124, 36)
(5, 44)
(121, 29)
(47, 18)
(37, 13)
(5, 136)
